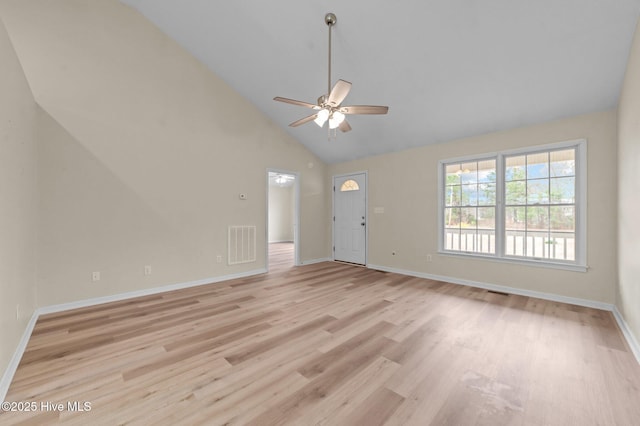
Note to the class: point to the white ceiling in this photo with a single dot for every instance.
(446, 68)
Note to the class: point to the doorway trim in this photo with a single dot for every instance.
(366, 213)
(296, 216)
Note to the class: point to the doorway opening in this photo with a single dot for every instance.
(283, 217)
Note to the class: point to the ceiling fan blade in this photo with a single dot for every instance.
(294, 102)
(364, 109)
(344, 126)
(303, 120)
(339, 92)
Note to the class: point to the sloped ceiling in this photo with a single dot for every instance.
(447, 69)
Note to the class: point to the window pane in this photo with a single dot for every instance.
(486, 241)
(564, 246)
(515, 168)
(563, 163)
(452, 196)
(487, 194)
(468, 240)
(350, 185)
(452, 217)
(538, 191)
(514, 243)
(563, 190)
(486, 219)
(469, 172)
(562, 218)
(452, 239)
(469, 195)
(538, 219)
(515, 218)
(516, 192)
(487, 171)
(468, 218)
(453, 172)
(538, 165)
(537, 244)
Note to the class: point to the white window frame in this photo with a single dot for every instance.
(580, 263)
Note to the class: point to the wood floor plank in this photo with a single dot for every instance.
(276, 341)
(336, 408)
(376, 409)
(291, 410)
(329, 344)
(328, 359)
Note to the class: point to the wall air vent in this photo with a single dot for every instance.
(242, 244)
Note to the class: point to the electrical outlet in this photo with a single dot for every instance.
(95, 276)
(219, 259)
(429, 259)
(147, 270)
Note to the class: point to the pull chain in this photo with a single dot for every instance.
(331, 137)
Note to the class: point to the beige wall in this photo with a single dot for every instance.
(405, 185)
(628, 300)
(281, 213)
(144, 154)
(18, 200)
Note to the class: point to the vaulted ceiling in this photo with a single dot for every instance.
(446, 69)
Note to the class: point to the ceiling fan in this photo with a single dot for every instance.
(329, 106)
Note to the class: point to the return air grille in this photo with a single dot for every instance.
(242, 244)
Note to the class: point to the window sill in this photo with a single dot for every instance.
(522, 262)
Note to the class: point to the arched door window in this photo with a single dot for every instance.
(350, 185)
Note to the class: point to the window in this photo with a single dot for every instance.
(526, 205)
(540, 205)
(350, 185)
(470, 206)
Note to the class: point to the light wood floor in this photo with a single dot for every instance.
(330, 344)
(280, 257)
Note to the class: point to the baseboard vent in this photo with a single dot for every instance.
(498, 292)
(242, 244)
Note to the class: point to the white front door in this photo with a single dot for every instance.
(350, 218)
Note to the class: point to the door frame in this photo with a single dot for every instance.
(366, 213)
(296, 217)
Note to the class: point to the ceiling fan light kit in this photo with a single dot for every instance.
(282, 180)
(329, 106)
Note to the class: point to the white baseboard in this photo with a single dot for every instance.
(7, 377)
(626, 331)
(312, 261)
(628, 335)
(145, 292)
(505, 289)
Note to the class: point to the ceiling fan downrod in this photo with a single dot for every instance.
(329, 19)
